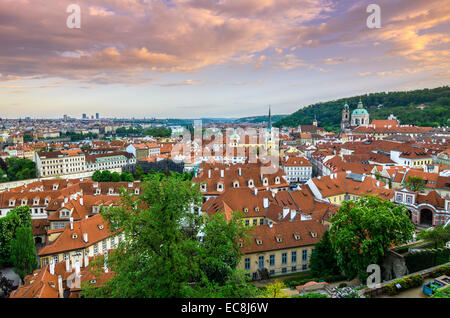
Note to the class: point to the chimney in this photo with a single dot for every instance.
(266, 203)
(293, 214)
(221, 173)
(209, 174)
(271, 225)
(60, 287)
(85, 237)
(71, 223)
(66, 200)
(52, 267)
(86, 260)
(240, 171)
(77, 268)
(285, 212)
(273, 194)
(256, 191)
(81, 201)
(331, 176)
(68, 269)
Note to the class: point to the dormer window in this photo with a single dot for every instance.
(203, 186)
(257, 209)
(46, 201)
(313, 234)
(279, 238)
(259, 241)
(246, 210)
(24, 202)
(297, 236)
(236, 184)
(136, 191)
(92, 281)
(220, 186)
(55, 187)
(250, 183)
(36, 201)
(111, 191)
(277, 180)
(265, 181)
(74, 236)
(100, 226)
(98, 191)
(12, 202)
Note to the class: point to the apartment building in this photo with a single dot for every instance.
(281, 249)
(297, 169)
(56, 163)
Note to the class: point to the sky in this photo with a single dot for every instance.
(213, 58)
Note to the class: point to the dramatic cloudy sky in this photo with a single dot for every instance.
(223, 58)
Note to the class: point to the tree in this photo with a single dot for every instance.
(138, 173)
(3, 176)
(97, 176)
(323, 262)
(126, 177)
(161, 255)
(115, 177)
(20, 169)
(363, 230)
(438, 236)
(17, 217)
(105, 176)
(23, 252)
(415, 184)
(275, 290)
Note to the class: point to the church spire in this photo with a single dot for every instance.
(269, 126)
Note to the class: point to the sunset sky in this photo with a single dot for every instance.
(213, 58)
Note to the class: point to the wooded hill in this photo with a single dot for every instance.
(380, 105)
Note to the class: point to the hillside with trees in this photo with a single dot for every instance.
(380, 105)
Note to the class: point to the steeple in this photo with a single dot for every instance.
(269, 125)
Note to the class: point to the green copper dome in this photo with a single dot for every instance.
(360, 111)
(346, 106)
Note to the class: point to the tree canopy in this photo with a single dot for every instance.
(363, 230)
(162, 255)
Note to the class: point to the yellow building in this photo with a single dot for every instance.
(280, 248)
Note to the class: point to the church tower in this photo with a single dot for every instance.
(345, 122)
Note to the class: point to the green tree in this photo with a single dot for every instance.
(126, 177)
(3, 176)
(20, 169)
(17, 217)
(415, 183)
(323, 262)
(97, 176)
(23, 252)
(161, 255)
(363, 230)
(115, 177)
(105, 176)
(438, 236)
(138, 173)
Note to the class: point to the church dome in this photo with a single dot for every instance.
(360, 111)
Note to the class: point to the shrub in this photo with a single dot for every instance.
(443, 270)
(342, 285)
(312, 295)
(391, 290)
(417, 280)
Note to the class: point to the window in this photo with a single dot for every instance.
(247, 263)
(294, 268)
(272, 272)
(56, 259)
(112, 243)
(304, 255)
(272, 260)
(284, 258)
(255, 222)
(304, 267)
(247, 222)
(66, 256)
(104, 246)
(294, 257)
(261, 262)
(261, 222)
(284, 270)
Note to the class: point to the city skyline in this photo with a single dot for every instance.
(227, 59)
